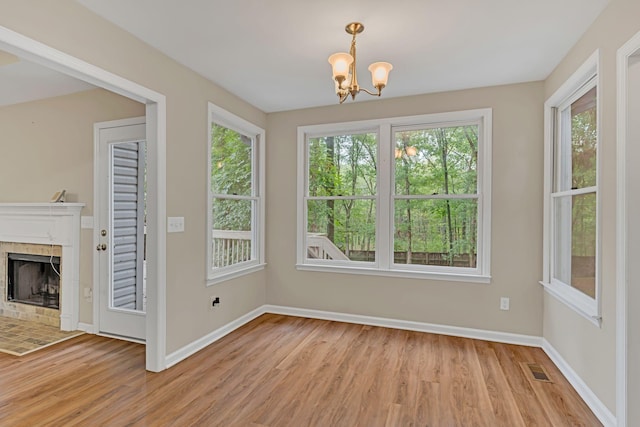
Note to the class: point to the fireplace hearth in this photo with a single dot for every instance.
(33, 279)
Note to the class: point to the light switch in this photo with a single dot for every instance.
(175, 224)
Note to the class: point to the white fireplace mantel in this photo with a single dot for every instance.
(50, 224)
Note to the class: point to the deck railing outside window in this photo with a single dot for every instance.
(231, 247)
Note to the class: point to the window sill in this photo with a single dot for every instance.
(234, 274)
(411, 274)
(585, 310)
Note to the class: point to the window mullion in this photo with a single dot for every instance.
(484, 168)
(384, 206)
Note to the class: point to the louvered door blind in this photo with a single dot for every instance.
(128, 225)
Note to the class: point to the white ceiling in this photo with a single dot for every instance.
(273, 53)
(23, 81)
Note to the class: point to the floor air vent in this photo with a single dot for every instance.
(538, 372)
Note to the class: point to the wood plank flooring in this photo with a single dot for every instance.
(289, 371)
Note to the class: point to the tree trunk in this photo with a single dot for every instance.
(354, 156)
(369, 217)
(330, 188)
(407, 188)
(472, 139)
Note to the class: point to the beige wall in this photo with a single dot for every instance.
(590, 350)
(69, 27)
(633, 234)
(47, 145)
(516, 220)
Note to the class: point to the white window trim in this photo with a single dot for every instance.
(224, 118)
(589, 308)
(383, 266)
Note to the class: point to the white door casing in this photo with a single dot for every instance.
(628, 234)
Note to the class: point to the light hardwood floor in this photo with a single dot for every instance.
(289, 371)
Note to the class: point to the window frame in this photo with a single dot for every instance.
(384, 265)
(586, 77)
(220, 116)
(353, 131)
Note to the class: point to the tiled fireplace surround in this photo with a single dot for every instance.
(48, 316)
(43, 229)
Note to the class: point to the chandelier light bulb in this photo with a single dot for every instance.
(342, 67)
(380, 73)
(340, 63)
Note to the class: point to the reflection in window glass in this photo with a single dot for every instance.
(583, 141)
(437, 161)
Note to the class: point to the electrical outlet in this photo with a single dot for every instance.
(504, 303)
(213, 302)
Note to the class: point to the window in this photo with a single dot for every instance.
(571, 220)
(341, 201)
(436, 195)
(236, 185)
(401, 197)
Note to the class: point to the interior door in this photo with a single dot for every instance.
(120, 223)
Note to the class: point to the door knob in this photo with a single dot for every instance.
(102, 247)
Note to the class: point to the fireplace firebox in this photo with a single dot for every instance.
(33, 279)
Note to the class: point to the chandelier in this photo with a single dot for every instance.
(344, 69)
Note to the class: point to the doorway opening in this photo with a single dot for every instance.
(155, 104)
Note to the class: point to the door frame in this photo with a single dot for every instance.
(97, 127)
(155, 102)
(623, 255)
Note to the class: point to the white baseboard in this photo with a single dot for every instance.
(86, 327)
(456, 331)
(212, 337)
(599, 409)
(199, 344)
